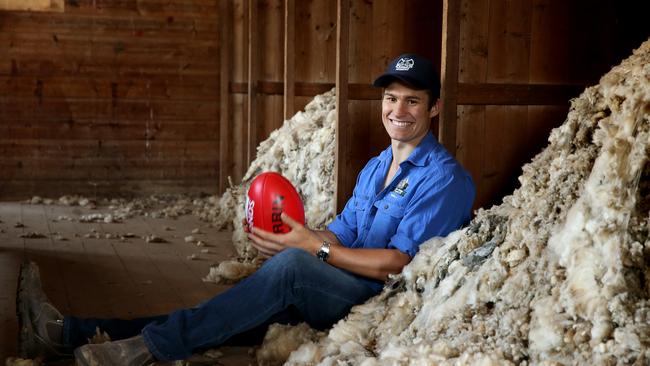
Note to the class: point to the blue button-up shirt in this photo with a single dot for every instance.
(430, 195)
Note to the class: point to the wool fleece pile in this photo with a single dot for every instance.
(559, 273)
(303, 151)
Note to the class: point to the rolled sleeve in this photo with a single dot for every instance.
(343, 233)
(344, 225)
(404, 244)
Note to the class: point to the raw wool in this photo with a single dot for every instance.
(98, 217)
(556, 274)
(99, 337)
(209, 357)
(170, 206)
(15, 361)
(280, 340)
(303, 151)
(152, 239)
(231, 271)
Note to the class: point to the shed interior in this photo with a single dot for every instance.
(117, 98)
(125, 98)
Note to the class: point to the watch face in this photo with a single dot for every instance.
(324, 252)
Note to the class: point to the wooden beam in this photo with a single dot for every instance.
(253, 79)
(289, 58)
(225, 138)
(466, 93)
(304, 89)
(449, 74)
(516, 94)
(343, 175)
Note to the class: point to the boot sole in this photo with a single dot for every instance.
(31, 345)
(26, 337)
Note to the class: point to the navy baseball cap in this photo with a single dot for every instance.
(412, 69)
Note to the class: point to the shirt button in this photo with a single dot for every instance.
(385, 207)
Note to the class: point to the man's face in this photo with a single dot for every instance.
(405, 113)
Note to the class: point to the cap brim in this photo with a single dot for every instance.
(385, 80)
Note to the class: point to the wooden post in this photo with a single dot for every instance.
(253, 78)
(343, 175)
(225, 53)
(449, 74)
(289, 58)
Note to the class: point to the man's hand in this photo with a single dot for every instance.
(372, 263)
(269, 244)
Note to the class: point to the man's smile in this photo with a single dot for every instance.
(400, 123)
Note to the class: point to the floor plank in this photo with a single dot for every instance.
(92, 269)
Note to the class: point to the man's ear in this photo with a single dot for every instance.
(435, 109)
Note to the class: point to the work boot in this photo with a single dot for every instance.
(128, 352)
(41, 324)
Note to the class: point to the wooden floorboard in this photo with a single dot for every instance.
(90, 270)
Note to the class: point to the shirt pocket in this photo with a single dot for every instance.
(384, 226)
(390, 208)
(361, 210)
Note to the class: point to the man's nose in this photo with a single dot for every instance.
(400, 108)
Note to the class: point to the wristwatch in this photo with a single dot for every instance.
(324, 251)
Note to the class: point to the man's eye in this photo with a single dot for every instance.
(413, 102)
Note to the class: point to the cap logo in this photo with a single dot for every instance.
(404, 64)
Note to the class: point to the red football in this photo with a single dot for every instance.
(269, 195)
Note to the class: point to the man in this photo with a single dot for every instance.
(412, 191)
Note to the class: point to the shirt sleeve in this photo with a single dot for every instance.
(436, 209)
(344, 225)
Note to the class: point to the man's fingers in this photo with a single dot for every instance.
(266, 235)
(266, 246)
(244, 223)
(289, 221)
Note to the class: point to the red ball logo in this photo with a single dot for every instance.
(269, 195)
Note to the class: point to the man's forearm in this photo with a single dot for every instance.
(373, 263)
(327, 236)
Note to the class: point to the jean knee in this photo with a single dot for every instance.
(290, 260)
(293, 257)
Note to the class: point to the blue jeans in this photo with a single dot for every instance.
(290, 287)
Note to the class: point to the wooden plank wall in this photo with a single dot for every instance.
(517, 64)
(378, 31)
(555, 47)
(110, 97)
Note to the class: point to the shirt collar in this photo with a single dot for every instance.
(420, 155)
